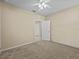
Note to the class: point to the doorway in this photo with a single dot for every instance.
(42, 30)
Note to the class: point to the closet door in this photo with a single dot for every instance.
(37, 30)
(45, 30)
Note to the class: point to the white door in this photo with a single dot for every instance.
(45, 29)
(37, 30)
(42, 30)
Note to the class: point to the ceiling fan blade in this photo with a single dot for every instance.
(47, 6)
(36, 4)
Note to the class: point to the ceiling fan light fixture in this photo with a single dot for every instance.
(45, 6)
(42, 4)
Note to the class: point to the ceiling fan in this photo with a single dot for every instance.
(42, 4)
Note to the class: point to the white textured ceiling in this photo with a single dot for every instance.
(56, 5)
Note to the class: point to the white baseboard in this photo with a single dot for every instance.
(18, 46)
(65, 44)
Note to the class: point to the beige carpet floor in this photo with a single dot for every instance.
(42, 50)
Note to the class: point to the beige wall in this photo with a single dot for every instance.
(17, 25)
(65, 27)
